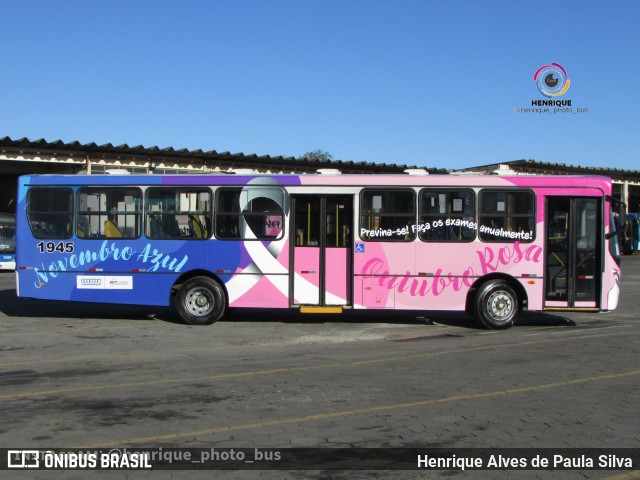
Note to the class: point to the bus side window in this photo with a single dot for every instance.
(387, 215)
(110, 212)
(447, 215)
(177, 213)
(503, 212)
(253, 213)
(50, 212)
(7, 233)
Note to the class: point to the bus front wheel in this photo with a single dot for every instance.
(496, 305)
(201, 301)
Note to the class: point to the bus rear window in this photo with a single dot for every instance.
(50, 212)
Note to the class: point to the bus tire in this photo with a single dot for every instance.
(496, 305)
(201, 301)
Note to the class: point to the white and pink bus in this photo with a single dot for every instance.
(488, 245)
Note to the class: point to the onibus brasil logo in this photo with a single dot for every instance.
(552, 80)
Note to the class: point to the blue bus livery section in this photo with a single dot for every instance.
(94, 268)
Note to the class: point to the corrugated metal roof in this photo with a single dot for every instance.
(542, 168)
(262, 161)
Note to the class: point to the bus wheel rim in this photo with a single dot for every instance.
(500, 305)
(199, 301)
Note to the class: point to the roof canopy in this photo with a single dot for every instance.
(211, 157)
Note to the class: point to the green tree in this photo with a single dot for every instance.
(321, 155)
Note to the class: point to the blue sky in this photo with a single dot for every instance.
(426, 83)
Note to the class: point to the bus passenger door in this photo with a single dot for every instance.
(573, 262)
(321, 242)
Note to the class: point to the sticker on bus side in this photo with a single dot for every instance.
(104, 282)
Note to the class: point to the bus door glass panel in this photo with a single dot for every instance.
(572, 270)
(321, 250)
(306, 252)
(336, 250)
(587, 265)
(557, 249)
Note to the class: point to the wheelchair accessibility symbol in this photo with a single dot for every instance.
(359, 247)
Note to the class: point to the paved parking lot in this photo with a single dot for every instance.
(77, 375)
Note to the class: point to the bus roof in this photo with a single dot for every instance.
(352, 180)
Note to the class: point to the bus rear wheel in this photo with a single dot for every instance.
(201, 301)
(496, 305)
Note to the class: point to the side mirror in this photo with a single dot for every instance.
(619, 209)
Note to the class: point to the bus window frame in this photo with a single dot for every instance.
(138, 213)
(177, 190)
(506, 215)
(70, 213)
(239, 214)
(407, 238)
(474, 214)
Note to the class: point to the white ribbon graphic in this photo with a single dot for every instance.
(265, 258)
